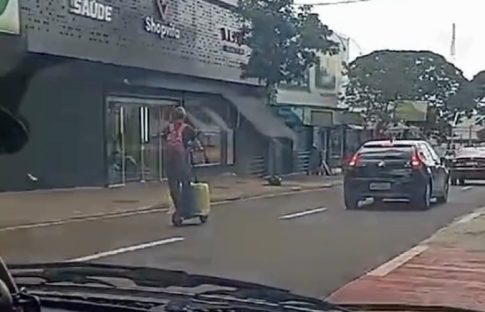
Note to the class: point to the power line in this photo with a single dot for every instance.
(333, 3)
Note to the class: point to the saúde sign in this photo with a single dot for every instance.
(92, 9)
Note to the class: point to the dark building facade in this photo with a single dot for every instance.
(115, 71)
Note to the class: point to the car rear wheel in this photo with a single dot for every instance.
(422, 201)
(444, 198)
(351, 201)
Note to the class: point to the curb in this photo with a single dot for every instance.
(457, 221)
(404, 257)
(160, 208)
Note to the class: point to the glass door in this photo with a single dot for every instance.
(151, 146)
(115, 146)
(133, 143)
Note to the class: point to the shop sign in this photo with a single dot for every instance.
(161, 27)
(92, 9)
(9, 16)
(232, 36)
(321, 118)
(232, 40)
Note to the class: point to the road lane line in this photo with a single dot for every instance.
(302, 213)
(466, 188)
(398, 261)
(127, 249)
(144, 210)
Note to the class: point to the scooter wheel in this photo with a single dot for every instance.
(203, 219)
(176, 220)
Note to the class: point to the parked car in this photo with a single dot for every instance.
(468, 164)
(400, 169)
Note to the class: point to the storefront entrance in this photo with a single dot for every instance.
(134, 146)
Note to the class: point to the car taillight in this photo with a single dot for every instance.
(353, 160)
(416, 161)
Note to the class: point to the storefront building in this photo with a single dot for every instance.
(116, 70)
(311, 108)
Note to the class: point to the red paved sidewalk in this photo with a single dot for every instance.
(24, 208)
(446, 270)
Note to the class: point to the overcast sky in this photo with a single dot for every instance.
(412, 25)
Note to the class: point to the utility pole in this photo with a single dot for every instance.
(453, 59)
(453, 43)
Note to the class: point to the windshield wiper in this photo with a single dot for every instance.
(227, 290)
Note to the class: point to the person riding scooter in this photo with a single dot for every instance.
(178, 137)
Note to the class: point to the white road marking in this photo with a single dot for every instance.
(469, 217)
(393, 264)
(143, 211)
(302, 213)
(466, 188)
(127, 249)
(121, 214)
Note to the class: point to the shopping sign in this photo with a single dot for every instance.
(160, 26)
(9, 16)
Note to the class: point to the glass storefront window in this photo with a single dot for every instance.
(134, 145)
(336, 147)
(324, 78)
(213, 147)
(230, 147)
(215, 136)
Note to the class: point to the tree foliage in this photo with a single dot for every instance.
(382, 77)
(479, 78)
(284, 40)
(478, 83)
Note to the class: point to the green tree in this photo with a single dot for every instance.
(479, 78)
(284, 41)
(478, 83)
(378, 79)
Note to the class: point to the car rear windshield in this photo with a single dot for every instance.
(386, 153)
(471, 152)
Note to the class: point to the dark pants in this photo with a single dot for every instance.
(177, 188)
(179, 178)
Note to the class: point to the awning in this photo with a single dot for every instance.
(200, 125)
(260, 115)
(355, 127)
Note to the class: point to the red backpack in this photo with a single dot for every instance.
(175, 140)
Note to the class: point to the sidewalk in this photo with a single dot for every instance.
(447, 270)
(25, 208)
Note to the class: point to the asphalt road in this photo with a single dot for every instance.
(269, 241)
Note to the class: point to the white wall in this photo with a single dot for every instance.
(315, 95)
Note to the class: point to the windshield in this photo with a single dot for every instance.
(253, 153)
(381, 153)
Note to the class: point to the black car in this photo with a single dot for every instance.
(468, 164)
(397, 169)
